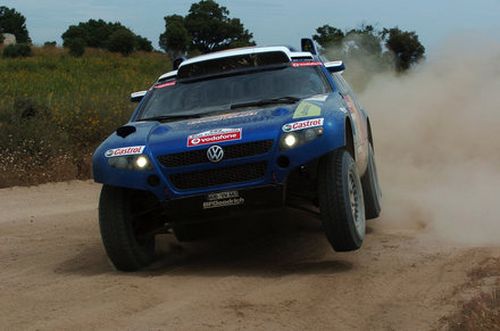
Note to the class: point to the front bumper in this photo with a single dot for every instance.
(177, 181)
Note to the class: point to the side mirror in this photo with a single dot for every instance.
(177, 62)
(137, 96)
(335, 66)
(308, 45)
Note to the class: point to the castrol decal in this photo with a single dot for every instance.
(301, 125)
(124, 151)
(214, 136)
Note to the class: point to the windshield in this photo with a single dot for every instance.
(219, 94)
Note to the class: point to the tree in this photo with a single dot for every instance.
(364, 41)
(328, 36)
(212, 29)
(206, 28)
(98, 33)
(143, 44)
(405, 46)
(76, 46)
(122, 41)
(13, 22)
(176, 39)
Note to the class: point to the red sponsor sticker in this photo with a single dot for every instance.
(305, 64)
(124, 151)
(301, 125)
(167, 84)
(214, 136)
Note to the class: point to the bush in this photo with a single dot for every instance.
(76, 47)
(122, 41)
(50, 44)
(17, 50)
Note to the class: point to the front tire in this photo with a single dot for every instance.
(127, 245)
(341, 201)
(371, 188)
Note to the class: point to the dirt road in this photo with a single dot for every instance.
(277, 273)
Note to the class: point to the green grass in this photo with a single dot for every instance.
(55, 109)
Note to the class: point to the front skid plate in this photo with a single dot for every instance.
(225, 204)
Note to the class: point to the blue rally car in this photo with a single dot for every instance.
(233, 132)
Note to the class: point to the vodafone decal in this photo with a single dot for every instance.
(301, 125)
(124, 151)
(214, 136)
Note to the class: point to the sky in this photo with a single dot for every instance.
(273, 22)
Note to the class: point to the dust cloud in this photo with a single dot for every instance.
(437, 143)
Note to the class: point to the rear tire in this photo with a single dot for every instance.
(371, 188)
(341, 201)
(126, 248)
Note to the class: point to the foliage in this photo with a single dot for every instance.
(121, 41)
(98, 33)
(367, 51)
(405, 46)
(143, 44)
(76, 46)
(176, 38)
(14, 22)
(328, 36)
(1, 37)
(17, 50)
(208, 29)
(50, 44)
(56, 109)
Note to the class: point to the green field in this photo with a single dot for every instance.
(55, 109)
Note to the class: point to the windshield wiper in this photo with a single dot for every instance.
(165, 118)
(263, 102)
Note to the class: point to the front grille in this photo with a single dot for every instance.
(219, 176)
(230, 152)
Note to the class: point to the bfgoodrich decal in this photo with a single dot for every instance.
(214, 136)
(223, 199)
(124, 151)
(301, 125)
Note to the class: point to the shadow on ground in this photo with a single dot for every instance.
(273, 245)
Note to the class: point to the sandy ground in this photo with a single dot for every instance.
(277, 273)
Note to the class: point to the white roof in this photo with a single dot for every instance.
(244, 51)
(169, 74)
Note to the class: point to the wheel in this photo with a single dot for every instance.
(124, 228)
(371, 188)
(190, 232)
(341, 201)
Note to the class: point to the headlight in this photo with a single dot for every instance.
(290, 140)
(141, 162)
(131, 162)
(294, 139)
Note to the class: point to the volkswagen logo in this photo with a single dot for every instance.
(215, 154)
